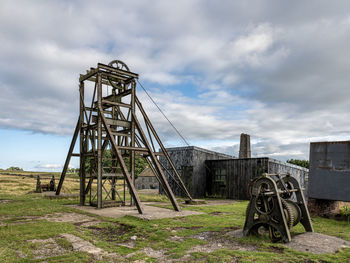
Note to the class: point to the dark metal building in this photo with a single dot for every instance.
(330, 170)
(190, 163)
(230, 178)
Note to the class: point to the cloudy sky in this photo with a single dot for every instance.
(277, 70)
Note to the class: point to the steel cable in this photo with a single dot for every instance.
(160, 110)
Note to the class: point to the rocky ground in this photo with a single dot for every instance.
(315, 243)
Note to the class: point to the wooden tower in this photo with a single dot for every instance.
(112, 137)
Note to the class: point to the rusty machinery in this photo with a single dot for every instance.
(115, 120)
(276, 205)
(51, 186)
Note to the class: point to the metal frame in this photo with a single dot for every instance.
(111, 122)
(277, 203)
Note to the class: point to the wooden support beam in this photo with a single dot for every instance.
(157, 166)
(124, 124)
(111, 76)
(113, 122)
(148, 122)
(82, 144)
(132, 142)
(120, 104)
(99, 142)
(88, 75)
(122, 164)
(118, 95)
(117, 71)
(69, 155)
(104, 82)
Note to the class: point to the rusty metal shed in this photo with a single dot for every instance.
(330, 170)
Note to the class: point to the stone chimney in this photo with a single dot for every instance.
(244, 146)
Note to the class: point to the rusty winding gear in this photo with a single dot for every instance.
(277, 204)
(288, 212)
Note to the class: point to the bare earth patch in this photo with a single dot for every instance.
(159, 255)
(176, 238)
(153, 253)
(18, 220)
(113, 233)
(217, 240)
(5, 201)
(216, 202)
(128, 244)
(75, 218)
(83, 220)
(317, 243)
(82, 245)
(46, 248)
(236, 233)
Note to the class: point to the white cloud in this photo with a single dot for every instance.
(256, 42)
(282, 77)
(49, 166)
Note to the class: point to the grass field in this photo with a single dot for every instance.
(36, 229)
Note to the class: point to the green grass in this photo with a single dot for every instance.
(21, 222)
(32, 205)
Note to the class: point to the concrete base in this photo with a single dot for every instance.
(317, 243)
(150, 212)
(52, 195)
(195, 202)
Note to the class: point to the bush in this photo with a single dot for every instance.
(302, 163)
(345, 211)
(13, 168)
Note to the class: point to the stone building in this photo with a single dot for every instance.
(146, 180)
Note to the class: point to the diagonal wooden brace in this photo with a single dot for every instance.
(157, 166)
(122, 163)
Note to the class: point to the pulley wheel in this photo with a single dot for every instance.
(118, 65)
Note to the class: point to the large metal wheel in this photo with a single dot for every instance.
(285, 185)
(118, 64)
(264, 204)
